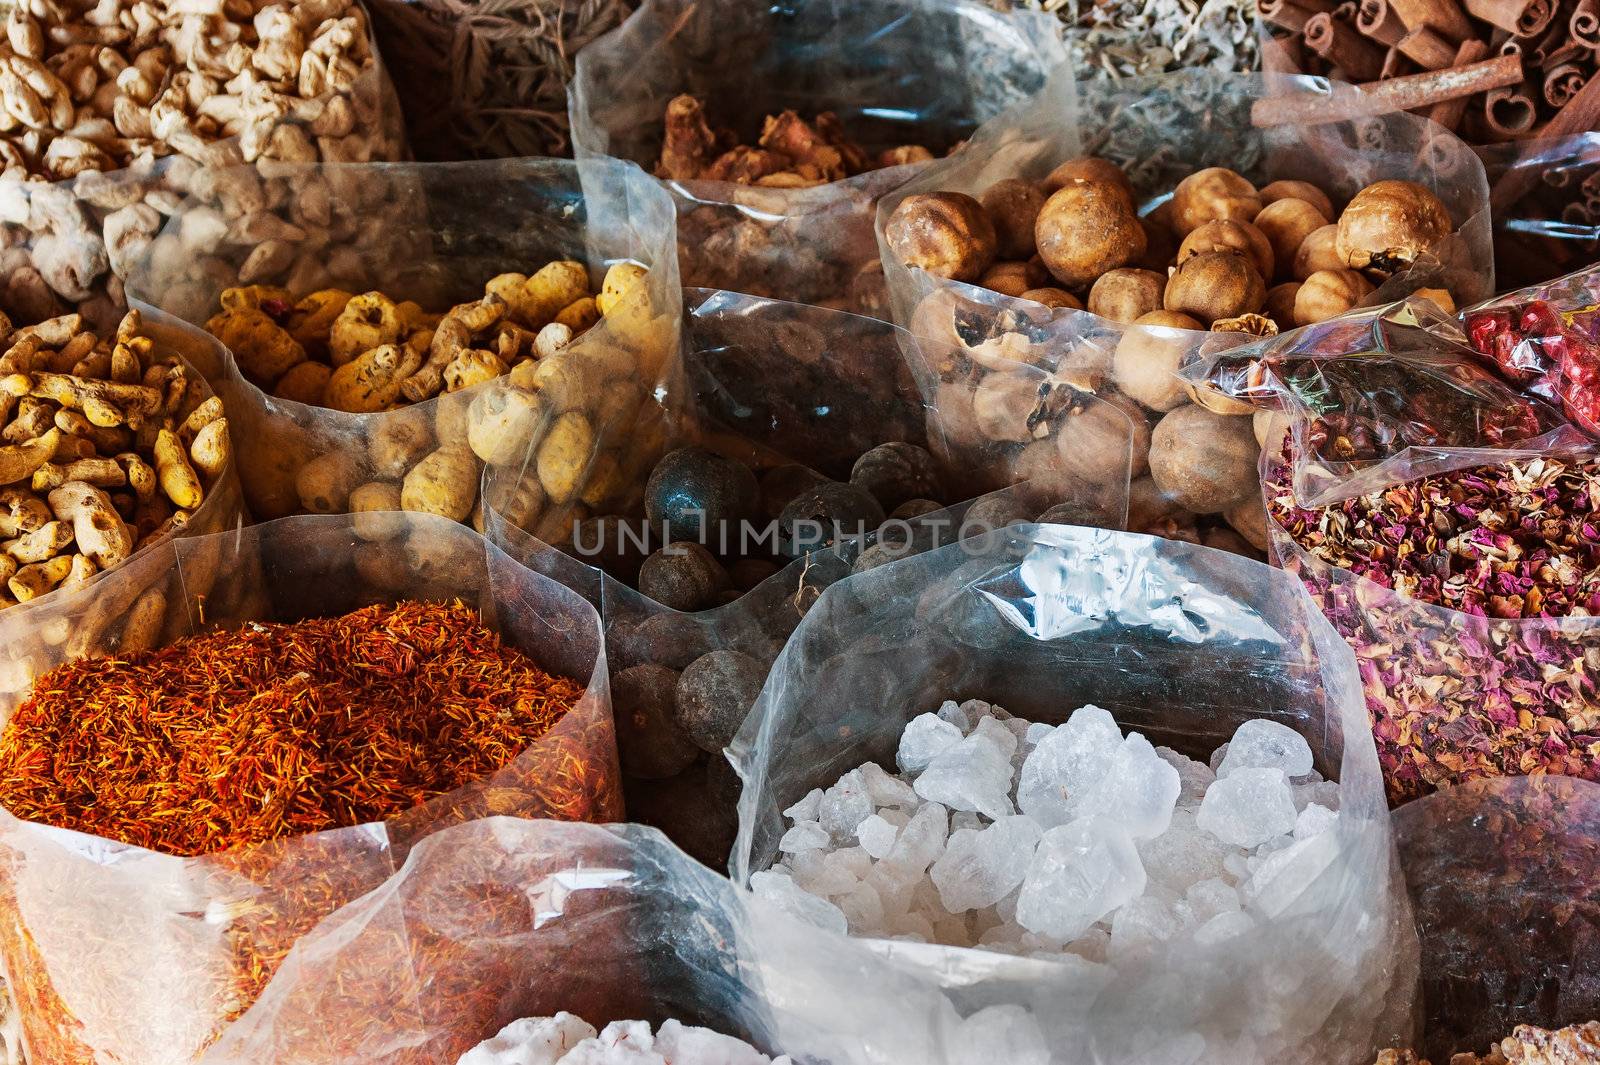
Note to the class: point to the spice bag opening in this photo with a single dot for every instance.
(84, 195)
(792, 218)
(122, 953)
(1501, 875)
(85, 499)
(481, 926)
(493, 380)
(1545, 200)
(1180, 643)
(1455, 694)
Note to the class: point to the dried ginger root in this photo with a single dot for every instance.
(1577, 1044)
(115, 445)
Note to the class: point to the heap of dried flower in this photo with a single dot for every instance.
(1471, 600)
(1577, 1044)
(1133, 38)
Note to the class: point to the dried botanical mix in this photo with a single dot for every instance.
(1470, 600)
(1577, 1044)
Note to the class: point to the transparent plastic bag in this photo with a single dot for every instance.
(921, 72)
(1180, 643)
(435, 233)
(1011, 371)
(1502, 883)
(71, 243)
(151, 955)
(1545, 195)
(500, 919)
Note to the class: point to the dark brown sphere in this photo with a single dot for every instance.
(683, 576)
(649, 741)
(715, 694)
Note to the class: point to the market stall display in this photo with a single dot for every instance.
(891, 73)
(229, 776)
(113, 113)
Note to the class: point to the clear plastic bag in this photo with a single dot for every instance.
(925, 72)
(501, 919)
(435, 233)
(1545, 195)
(1180, 643)
(151, 955)
(1502, 882)
(71, 243)
(1011, 372)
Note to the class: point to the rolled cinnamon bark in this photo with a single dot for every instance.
(1585, 24)
(1511, 110)
(1563, 82)
(1377, 20)
(1443, 16)
(1396, 65)
(1344, 47)
(1536, 18)
(1283, 55)
(1508, 15)
(1401, 94)
(1581, 114)
(1427, 48)
(1448, 112)
(1285, 15)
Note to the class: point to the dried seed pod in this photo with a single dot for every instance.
(1126, 294)
(1214, 285)
(1389, 225)
(1227, 235)
(1328, 294)
(1210, 194)
(1298, 190)
(1086, 229)
(1013, 206)
(948, 234)
(1145, 366)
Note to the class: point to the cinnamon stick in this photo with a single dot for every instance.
(1577, 214)
(1506, 14)
(1344, 47)
(1400, 94)
(1395, 65)
(1448, 112)
(1443, 16)
(1563, 82)
(1285, 15)
(1511, 110)
(1376, 19)
(1536, 18)
(1581, 114)
(1282, 55)
(1585, 24)
(1427, 48)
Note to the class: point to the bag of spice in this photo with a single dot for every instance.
(494, 921)
(175, 817)
(1502, 882)
(1098, 238)
(778, 129)
(1545, 195)
(437, 319)
(114, 119)
(1298, 951)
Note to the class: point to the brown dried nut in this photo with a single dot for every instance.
(1317, 252)
(1328, 294)
(1215, 284)
(1002, 403)
(1145, 366)
(1013, 206)
(948, 234)
(1210, 194)
(1012, 278)
(1126, 294)
(1106, 442)
(1054, 298)
(1086, 229)
(1389, 225)
(1279, 305)
(1088, 170)
(1298, 190)
(1226, 235)
(1286, 225)
(1204, 461)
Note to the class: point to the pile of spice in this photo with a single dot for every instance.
(1576, 1044)
(1135, 38)
(1505, 686)
(242, 736)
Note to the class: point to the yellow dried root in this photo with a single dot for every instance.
(261, 347)
(444, 483)
(365, 322)
(371, 382)
(312, 319)
(177, 478)
(101, 534)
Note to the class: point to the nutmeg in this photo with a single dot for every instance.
(1328, 294)
(1012, 278)
(947, 234)
(1227, 235)
(1215, 284)
(1126, 293)
(1145, 366)
(1086, 229)
(1317, 252)
(1013, 206)
(1088, 170)
(1298, 190)
(1054, 298)
(1286, 224)
(1279, 305)
(1107, 441)
(1002, 402)
(1213, 193)
(1389, 224)
(1206, 462)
